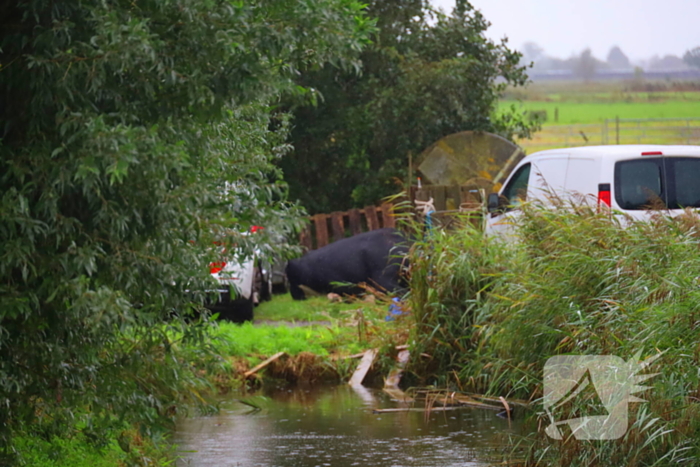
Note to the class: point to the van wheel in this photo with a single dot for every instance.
(239, 310)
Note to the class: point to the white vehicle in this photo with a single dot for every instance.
(236, 290)
(243, 284)
(629, 179)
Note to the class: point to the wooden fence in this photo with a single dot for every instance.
(325, 228)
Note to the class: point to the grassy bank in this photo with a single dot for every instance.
(316, 335)
(491, 314)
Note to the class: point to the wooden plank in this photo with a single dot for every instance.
(363, 367)
(471, 200)
(355, 221)
(263, 364)
(439, 194)
(454, 197)
(321, 230)
(305, 239)
(421, 194)
(371, 216)
(337, 225)
(388, 216)
(392, 381)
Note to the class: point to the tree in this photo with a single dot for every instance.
(585, 65)
(692, 57)
(532, 52)
(426, 76)
(617, 58)
(134, 135)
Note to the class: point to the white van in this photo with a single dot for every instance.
(627, 178)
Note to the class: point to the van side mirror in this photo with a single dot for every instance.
(493, 202)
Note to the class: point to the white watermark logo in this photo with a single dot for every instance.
(589, 395)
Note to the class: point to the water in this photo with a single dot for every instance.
(335, 426)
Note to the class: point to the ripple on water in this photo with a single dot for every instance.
(335, 426)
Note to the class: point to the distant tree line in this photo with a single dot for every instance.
(585, 65)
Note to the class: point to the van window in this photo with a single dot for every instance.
(641, 184)
(516, 190)
(637, 183)
(685, 173)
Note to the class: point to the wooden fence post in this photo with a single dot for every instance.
(355, 221)
(337, 225)
(371, 216)
(321, 230)
(305, 239)
(388, 216)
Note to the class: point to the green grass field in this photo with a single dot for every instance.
(587, 103)
(571, 112)
(576, 113)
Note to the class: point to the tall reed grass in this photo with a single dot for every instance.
(578, 281)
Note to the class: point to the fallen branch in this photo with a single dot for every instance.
(262, 365)
(414, 409)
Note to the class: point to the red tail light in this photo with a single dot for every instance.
(216, 266)
(653, 153)
(604, 194)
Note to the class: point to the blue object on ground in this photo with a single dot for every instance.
(394, 309)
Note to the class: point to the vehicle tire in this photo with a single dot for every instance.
(240, 310)
(237, 310)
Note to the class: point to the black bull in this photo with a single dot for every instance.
(375, 258)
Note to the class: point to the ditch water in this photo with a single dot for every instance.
(335, 426)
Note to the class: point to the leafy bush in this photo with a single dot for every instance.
(132, 136)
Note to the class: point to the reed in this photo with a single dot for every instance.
(578, 281)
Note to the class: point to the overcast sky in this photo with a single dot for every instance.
(641, 28)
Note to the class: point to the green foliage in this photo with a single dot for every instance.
(133, 135)
(74, 448)
(579, 283)
(426, 76)
(67, 451)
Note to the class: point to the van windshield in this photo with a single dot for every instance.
(657, 183)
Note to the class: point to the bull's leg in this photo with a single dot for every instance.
(297, 293)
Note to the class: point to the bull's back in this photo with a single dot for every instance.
(367, 257)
